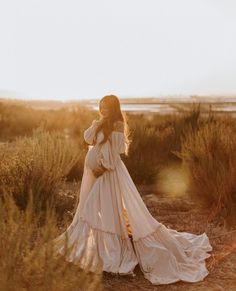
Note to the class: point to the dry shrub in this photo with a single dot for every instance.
(16, 120)
(148, 151)
(39, 163)
(154, 136)
(209, 155)
(28, 258)
(154, 141)
(20, 120)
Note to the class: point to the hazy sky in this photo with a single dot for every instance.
(75, 49)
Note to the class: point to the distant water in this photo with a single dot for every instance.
(170, 108)
(165, 108)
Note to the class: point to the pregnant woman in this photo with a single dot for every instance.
(112, 224)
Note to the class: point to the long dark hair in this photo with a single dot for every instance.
(114, 114)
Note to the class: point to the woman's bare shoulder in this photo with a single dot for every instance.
(119, 126)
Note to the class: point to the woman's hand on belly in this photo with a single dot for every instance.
(98, 171)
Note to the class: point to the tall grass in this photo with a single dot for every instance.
(28, 258)
(18, 120)
(150, 148)
(39, 163)
(154, 137)
(155, 140)
(42, 161)
(209, 156)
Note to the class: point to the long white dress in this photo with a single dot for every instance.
(99, 227)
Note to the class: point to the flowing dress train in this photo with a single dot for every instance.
(113, 225)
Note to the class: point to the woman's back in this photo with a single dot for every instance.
(115, 139)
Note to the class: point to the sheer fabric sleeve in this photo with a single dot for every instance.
(89, 133)
(110, 151)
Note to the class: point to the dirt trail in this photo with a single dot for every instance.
(182, 215)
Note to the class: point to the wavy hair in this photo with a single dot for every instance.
(114, 114)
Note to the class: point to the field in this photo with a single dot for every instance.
(184, 166)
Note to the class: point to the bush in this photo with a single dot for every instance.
(39, 164)
(154, 141)
(28, 260)
(149, 149)
(209, 155)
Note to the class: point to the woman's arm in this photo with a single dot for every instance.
(89, 133)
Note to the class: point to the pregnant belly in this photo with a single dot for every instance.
(91, 160)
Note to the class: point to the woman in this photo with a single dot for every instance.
(112, 223)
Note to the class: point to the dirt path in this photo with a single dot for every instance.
(183, 215)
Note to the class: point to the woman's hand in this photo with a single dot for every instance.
(99, 121)
(98, 171)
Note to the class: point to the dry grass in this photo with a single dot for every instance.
(205, 145)
(209, 157)
(37, 161)
(39, 164)
(28, 259)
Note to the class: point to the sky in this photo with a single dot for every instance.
(72, 49)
